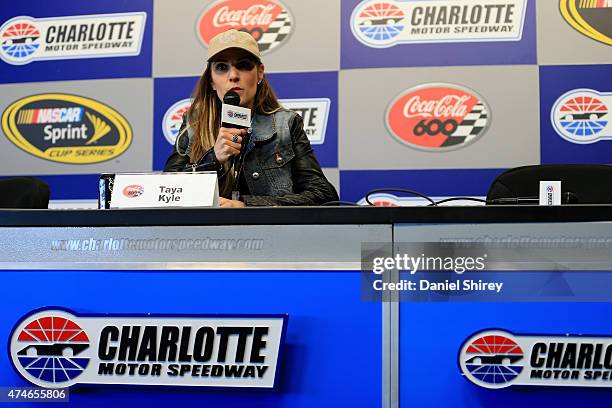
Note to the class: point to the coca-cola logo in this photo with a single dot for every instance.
(133, 190)
(269, 22)
(438, 117)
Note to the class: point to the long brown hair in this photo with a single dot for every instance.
(205, 117)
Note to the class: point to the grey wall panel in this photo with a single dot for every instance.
(559, 43)
(333, 175)
(131, 98)
(511, 140)
(313, 45)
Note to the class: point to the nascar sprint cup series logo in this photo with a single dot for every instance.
(25, 39)
(66, 128)
(382, 24)
(592, 18)
(269, 22)
(498, 359)
(438, 117)
(57, 348)
(583, 116)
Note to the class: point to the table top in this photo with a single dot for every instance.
(305, 215)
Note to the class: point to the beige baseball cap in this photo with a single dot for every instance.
(233, 39)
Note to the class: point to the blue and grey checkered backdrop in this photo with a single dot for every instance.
(438, 96)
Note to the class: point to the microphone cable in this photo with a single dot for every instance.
(397, 190)
(339, 203)
(480, 200)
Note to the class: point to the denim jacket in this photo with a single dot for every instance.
(280, 167)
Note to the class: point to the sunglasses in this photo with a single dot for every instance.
(223, 67)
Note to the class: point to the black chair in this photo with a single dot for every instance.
(23, 192)
(580, 183)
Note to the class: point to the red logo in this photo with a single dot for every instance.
(50, 349)
(269, 22)
(133, 190)
(438, 117)
(493, 360)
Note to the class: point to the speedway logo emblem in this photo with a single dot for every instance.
(314, 112)
(268, 21)
(438, 117)
(382, 24)
(133, 191)
(592, 18)
(50, 349)
(498, 359)
(25, 39)
(57, 349)
(173, 118)
(66, 128)
(583, 116)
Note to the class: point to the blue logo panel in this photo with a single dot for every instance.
(324, 337)
(313, 95)
(575, 114)
(61, 40)
(171, 100)
(434, 355)
(315, 86)
(400, 33)
(355, 184)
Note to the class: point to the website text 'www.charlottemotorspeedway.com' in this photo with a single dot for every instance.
(157, 244)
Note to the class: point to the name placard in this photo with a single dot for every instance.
(550, 193)
(154, 190)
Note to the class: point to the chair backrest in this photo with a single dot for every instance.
(589, 183)
(23, 192)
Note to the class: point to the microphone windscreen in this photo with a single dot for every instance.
(231, 98)
(568, 197)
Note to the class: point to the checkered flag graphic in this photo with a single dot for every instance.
(278, 30)
(470, 126)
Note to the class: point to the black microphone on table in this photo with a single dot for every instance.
(567, 197)
(231, 98)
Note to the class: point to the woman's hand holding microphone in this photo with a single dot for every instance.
(228, 143)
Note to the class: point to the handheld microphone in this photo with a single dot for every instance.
(237, 117)
(232, 114)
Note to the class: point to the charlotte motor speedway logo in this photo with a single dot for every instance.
(57, 348)
(66, 128)
(268, 21)
(382, 24)
(25, 39)
(499, 359)
(592, 18)
(314, 112)
(173, 118)
(50, 349)
(438, 117)
(583, 116)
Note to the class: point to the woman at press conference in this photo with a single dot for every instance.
(278, 166)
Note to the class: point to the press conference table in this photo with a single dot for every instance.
(303, 262)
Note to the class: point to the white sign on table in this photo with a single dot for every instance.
(161, 190)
